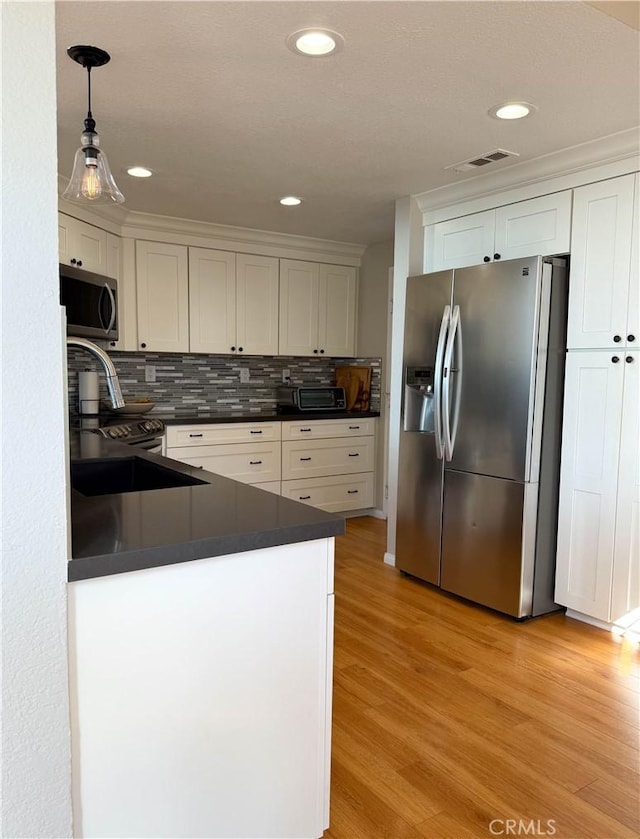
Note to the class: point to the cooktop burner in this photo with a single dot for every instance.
(134, 429)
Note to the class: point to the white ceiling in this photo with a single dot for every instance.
(208, 96)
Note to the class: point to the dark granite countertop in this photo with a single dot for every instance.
(112, 534)
(191, 418)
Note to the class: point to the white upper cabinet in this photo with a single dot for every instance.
(233, 303)
(83, 245)
(317, 309)
(336, 310)
(162, 276)
(602, 312)
(460, 242)
(537, 226)
(257, 304)
(212, 301)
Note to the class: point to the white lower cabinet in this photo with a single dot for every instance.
(243, 451)
(329, 463)
(598, 565)
(325, 463)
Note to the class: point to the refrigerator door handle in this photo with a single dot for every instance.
(437, 382)
(449, 424)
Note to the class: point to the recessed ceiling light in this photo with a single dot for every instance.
(139, 172)
(315, 42)
(290, 201)
(512, 110)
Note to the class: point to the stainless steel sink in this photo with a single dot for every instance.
(127, 474)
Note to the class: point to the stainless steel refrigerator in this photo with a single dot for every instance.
(483, 369)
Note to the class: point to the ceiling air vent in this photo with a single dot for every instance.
(482, 160)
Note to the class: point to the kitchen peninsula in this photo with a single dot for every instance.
(201, 632)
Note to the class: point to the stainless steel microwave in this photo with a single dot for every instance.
(91, 301)
(318, 398)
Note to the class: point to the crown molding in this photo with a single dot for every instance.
(615, 154)
(248, 240)
(179, 231)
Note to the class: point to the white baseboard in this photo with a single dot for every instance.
(390, 559)
(579, 616)
(376, 514)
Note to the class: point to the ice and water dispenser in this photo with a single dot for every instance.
(418, 399)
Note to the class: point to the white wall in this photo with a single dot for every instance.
(36, 771)
(372, 333)
(408, 260)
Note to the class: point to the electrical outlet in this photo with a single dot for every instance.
(244, 376)
(286, 377)
(149, 373)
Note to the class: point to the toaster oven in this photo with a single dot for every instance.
(312, 398)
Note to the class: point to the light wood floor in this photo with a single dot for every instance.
(448, 716)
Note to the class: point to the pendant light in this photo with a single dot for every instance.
(91, 179)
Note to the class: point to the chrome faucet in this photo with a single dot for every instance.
(113, 385)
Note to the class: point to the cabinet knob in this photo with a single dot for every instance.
(631, 337)
(79, 263)
(629, 359)
(615, 359)
(617, 339)
(72, 261)
(144, 346)
(240, 349)
(321, 352)
(316, 352)
(113, 343)
(496, 256)
(487, 259)
(233, 349)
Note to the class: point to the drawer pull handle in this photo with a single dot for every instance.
(196, 435)
(304, 497)
(255, 462)
(305, 429)
(352, 491)
(355, 454)
(354, 427)
(305, 458)
(255, 432)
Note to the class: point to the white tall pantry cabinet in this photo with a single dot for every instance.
(598, 565)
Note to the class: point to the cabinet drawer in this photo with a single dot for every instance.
(220, 433)
(318, 429)
(320, 458)
(334, 494)
(250, 463)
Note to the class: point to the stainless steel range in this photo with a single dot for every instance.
(140, 432)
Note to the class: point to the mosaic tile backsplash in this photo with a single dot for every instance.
(211, 383)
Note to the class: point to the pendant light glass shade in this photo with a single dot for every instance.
(91, 179)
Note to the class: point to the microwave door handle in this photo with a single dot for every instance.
(101, 300)
(112, 299)
(437, 382)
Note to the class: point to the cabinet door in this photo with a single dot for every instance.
(538, 226)
(124, 255)
(588, 481)
(298, 307)
(163, 297)
(633, 311)
(460, 242)
(82, 245)
(626, 564)
(212, 301)
(600, 263)
(337, 310)
(257, 304)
